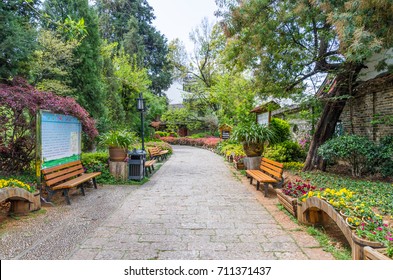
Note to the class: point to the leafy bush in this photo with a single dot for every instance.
(118, 138)
(162, 133)
(355, 150)
(281, 128)
(94, 158)
(286, 151)
(383, 157)
(200, 135)
(294, 166)
(19, 104)
(253, 133)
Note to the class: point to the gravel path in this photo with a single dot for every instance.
(193, 208)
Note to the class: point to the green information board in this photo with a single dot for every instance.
(60, 139)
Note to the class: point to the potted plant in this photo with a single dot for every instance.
(253, 137)
(118, 142)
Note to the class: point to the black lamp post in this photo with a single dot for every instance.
(141, 106)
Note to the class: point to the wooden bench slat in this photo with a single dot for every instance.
(63, 166)
(278, 164)
(62, 172)
(77, 181)
(260, 176)
(64, 177)
(272, 167)
(271, 172)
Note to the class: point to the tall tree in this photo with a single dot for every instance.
(86, 74)
(287, 43)
(129, 22)
(17, 37)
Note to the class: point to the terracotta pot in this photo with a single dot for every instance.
(253, 149)
(117, 154)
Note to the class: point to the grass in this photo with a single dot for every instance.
(324, 240)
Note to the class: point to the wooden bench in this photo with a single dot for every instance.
(149, 165)
(65, 177)
(270, 173)
(157, 153)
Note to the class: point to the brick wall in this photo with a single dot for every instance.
(367, 103)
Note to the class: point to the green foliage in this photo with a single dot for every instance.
(86, 74)
(17, 37)
(293, 166)
(286, 151)
(281, 128)
(52, 64)
(253, 133)
(200, 135)
(228, 148)
(118, 138)
(174, 118)
(357, 150)
(162, 133)
(130, 24)
(94, 158)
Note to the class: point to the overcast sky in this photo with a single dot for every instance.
(176, 19)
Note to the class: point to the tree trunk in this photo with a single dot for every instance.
(335, 102)
(324, 130)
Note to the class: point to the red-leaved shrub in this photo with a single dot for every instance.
(208, 142)
(19, 104)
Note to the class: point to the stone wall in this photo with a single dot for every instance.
(372, 99)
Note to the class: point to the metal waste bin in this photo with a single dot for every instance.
(136, 164)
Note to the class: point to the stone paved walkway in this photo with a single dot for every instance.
(193, 208)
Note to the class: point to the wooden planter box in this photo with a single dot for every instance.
(290, 203)
(359, 245)
(375, 254)
(239, 165)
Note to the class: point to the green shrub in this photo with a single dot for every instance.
(294, 166)
(94, 158)
(286, 151)
(355, 150)
(281, 128)
(200, 135)
(381, 160)
(162, 133)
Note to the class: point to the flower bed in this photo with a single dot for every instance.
(208, 143)
(13, 183)
(289, 194)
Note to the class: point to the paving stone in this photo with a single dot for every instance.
(194, 208)
(109, 255)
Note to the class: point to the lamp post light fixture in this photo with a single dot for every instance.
(141, 106)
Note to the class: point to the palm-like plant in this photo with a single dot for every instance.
(254, 137)
(118, 139)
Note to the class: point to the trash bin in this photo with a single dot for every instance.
(136, 164)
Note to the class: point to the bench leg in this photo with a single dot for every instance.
(251, 180)
(266, 185)
(94, 183)
(82, 189)
(152, 167)
(67, 197)
(258, 185)
(50, 194)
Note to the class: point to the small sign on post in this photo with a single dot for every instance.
(225, 131)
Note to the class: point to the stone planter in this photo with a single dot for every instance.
(252, 163)
(375, 254)
(290, 203)
(359, 244)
